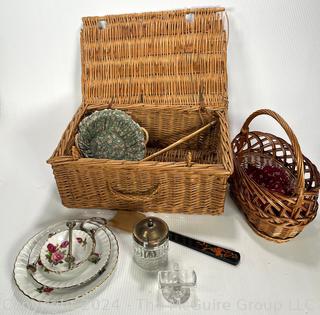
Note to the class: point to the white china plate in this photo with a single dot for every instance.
(84, 273)
(37, 292)
(55, 250)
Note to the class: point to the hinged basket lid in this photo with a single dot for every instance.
(170, 57)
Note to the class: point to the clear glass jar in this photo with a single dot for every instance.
(151, 244)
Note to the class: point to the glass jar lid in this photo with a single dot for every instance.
(151, 232)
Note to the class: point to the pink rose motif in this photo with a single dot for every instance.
(51, 248)
(44, 289)
(47, 290)
(79, 239)
(64, 244)
(57, 256)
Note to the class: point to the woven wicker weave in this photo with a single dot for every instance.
(168, 71)
(272, 215)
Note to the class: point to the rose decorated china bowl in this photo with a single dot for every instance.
(85, 273)
(54, 252)
(62, 289)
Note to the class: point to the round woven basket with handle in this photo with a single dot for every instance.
(274, 216)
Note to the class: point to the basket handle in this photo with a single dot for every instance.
(293, 139)
(142, 196)
(146, 135)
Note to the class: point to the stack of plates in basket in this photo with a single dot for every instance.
(43, 272)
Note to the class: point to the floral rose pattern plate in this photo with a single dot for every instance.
(111, 134)
(41, 293)
(54, 251)
(77, 276)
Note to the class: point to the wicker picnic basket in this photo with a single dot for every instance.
(275, 216)
(167, 70)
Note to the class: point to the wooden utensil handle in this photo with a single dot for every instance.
(227, 255)
(182, 140)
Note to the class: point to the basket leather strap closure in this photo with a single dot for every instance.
(299, 189)
(138, 196)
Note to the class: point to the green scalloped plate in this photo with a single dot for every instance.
(111, 134)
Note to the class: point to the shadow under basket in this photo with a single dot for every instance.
(274, 216)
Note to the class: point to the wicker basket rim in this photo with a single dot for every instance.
(125, 17)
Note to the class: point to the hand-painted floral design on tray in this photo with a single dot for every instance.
(54, 252)
(44, 289)
(66, 286)
(84, 273)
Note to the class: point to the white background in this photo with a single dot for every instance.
(273, 62)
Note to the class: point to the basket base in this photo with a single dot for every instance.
(258, 232)
(267, 237)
